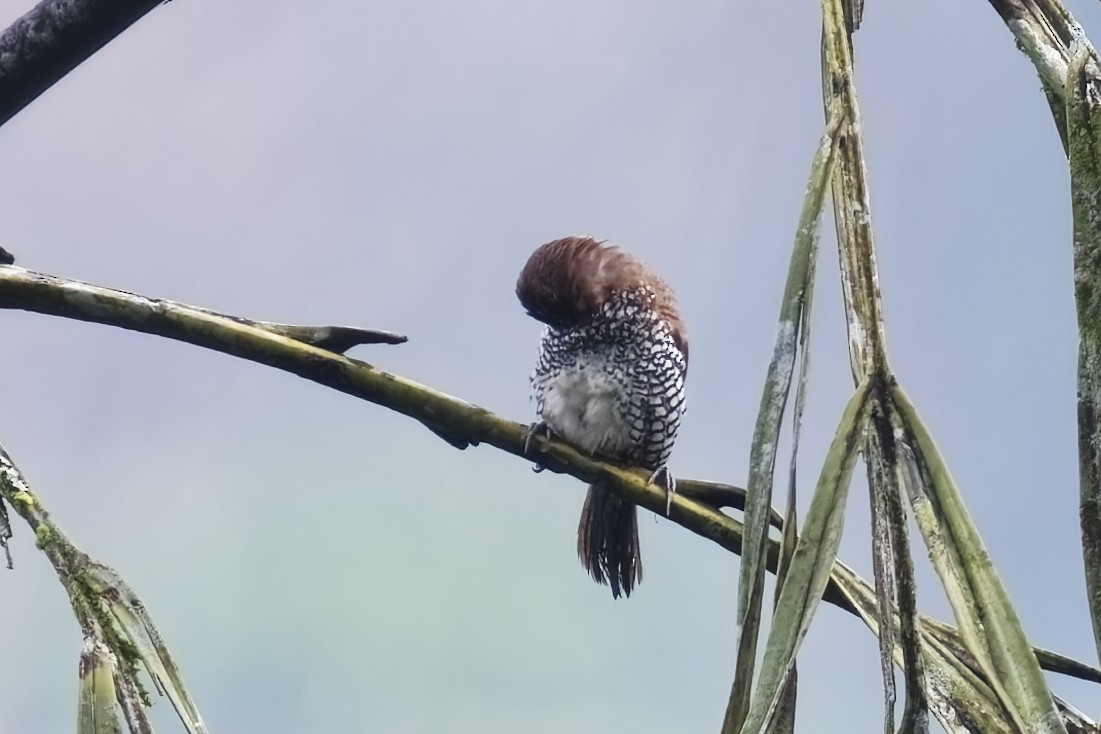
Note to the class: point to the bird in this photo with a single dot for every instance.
(609, 379)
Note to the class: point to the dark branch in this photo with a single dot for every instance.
(52, 39)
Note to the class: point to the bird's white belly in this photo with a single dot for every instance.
(585, 407)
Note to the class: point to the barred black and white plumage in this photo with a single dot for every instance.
(609, 378)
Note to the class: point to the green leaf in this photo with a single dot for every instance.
(811, 565)
(988, 622)
(766, 435)
(136, 626)
(96, 711)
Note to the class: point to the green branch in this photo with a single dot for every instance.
(1071, 73)
(1083, 115)
(119, 637)
(694, 507)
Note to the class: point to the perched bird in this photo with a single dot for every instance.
(610, 380)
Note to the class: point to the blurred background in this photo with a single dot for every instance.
(317, 563)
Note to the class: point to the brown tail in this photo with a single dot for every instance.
(607, 541)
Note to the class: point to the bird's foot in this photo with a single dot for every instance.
(538, 428)
(663, 477)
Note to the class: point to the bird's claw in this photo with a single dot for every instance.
(663, 477)
(534, 430)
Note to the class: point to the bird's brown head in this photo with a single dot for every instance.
(565, 282)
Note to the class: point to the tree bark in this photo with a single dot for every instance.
(52, 39)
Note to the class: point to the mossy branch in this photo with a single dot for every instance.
(1045, 32)
(37, 292)
(119, 637)
(460, 421)
(91, 585)
(1083, 115)
(1071, 73)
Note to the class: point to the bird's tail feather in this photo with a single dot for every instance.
(607, 540)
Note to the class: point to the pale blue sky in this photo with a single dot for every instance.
(319, 564)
